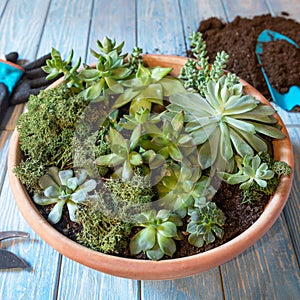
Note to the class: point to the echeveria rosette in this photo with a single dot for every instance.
(184, 188)
(251, 170)
(156, 239)
(149, 86)
(205, 223)
(62, 187)
(226, 122)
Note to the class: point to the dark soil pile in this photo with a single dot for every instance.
(239, 38)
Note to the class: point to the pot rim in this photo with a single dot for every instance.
(169, 268)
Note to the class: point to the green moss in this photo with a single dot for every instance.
(46, 132)
(101, 232)
(107, 219)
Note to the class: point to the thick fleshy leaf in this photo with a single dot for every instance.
(88, 186)
(157, 73)
(255, 141)
(38, 199)
(127, 171)
(52, 192)
(268, 130)
(242, 125)
(171, 86)
(72, 207)
(167, 245)
(167, 229)
(202, 134)
(65, 175)
(120, 73)
(107, 160)
(81, 175)
(246, 185)
(209, 150)
(144, 74)
(79, 196)
(144, 240)
(53, 172)
(139, 103)
(135, 158)
(225, 143)
(261, 182)
(240, 145)
(175, 152)
(196, 240)
(219, 232)
(209, 237)
(56, 212)
(46, 180)
(89, 74)
(72, 183)
(155, 253)
(94, 91)
(114, 85)
(163, 214)
(236, 179)
(125, 97)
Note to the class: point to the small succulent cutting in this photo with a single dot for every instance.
(206, 222)
(62, 187)
(156, 239)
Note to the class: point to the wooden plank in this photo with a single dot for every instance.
(292, 7)
(203, 286)
(288, 117)
(21, 27)
(39, 280)
(115, 19)
(11, 117)
(194, 11)
(67, 28)
(292, 208)
(247, 9)
(89, 284)
(267, 270)
(2, 7)
(159, 27)
(4, 144)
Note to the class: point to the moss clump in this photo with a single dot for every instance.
(46, 132)
(107, 219)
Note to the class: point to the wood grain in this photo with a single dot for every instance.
(4, 144)
(288, 117)
(2, 6)
(37, 282)
(11, 117)
(115, 19)
(67, 28)
(267, 270)
(203, 286)
(247, 9)
(194, 11)
(159, 27)
(292, 208)
(94, 285)
(21, 27)
(292, 7)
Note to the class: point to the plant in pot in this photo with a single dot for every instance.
(145, 166)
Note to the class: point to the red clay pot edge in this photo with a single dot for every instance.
(166, 269)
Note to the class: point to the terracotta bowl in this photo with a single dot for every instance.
(166, 269)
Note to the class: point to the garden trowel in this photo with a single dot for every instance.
(287, 100)
(9, 260)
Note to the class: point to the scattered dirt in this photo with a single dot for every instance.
(238, 39)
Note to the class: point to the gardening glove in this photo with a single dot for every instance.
(18, 82)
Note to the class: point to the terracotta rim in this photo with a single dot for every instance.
(166, 269)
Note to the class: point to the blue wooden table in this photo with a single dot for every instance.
(267, 270)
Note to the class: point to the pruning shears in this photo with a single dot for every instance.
(9, 260)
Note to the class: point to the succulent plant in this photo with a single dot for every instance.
(62, 187)
(226, 122)
(251, 170)
(156, 239)
(149, 86)
(197, 73)
(171, 140)
(205, 223)
(91, 82)
(121, 156)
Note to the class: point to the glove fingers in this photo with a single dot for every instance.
(35, 73)
(3, 100)
(37, 63)
(12, 57)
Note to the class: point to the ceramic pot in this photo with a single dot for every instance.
(165, 269)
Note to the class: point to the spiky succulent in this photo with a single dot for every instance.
(226, 122)
(206, 222)
(149, 86)
(156, 239)
(62, 187)
(109, 70)
(197, 73)
(251, 170)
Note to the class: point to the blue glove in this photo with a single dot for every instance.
(10, 74)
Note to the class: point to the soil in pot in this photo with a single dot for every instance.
(238, 38)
